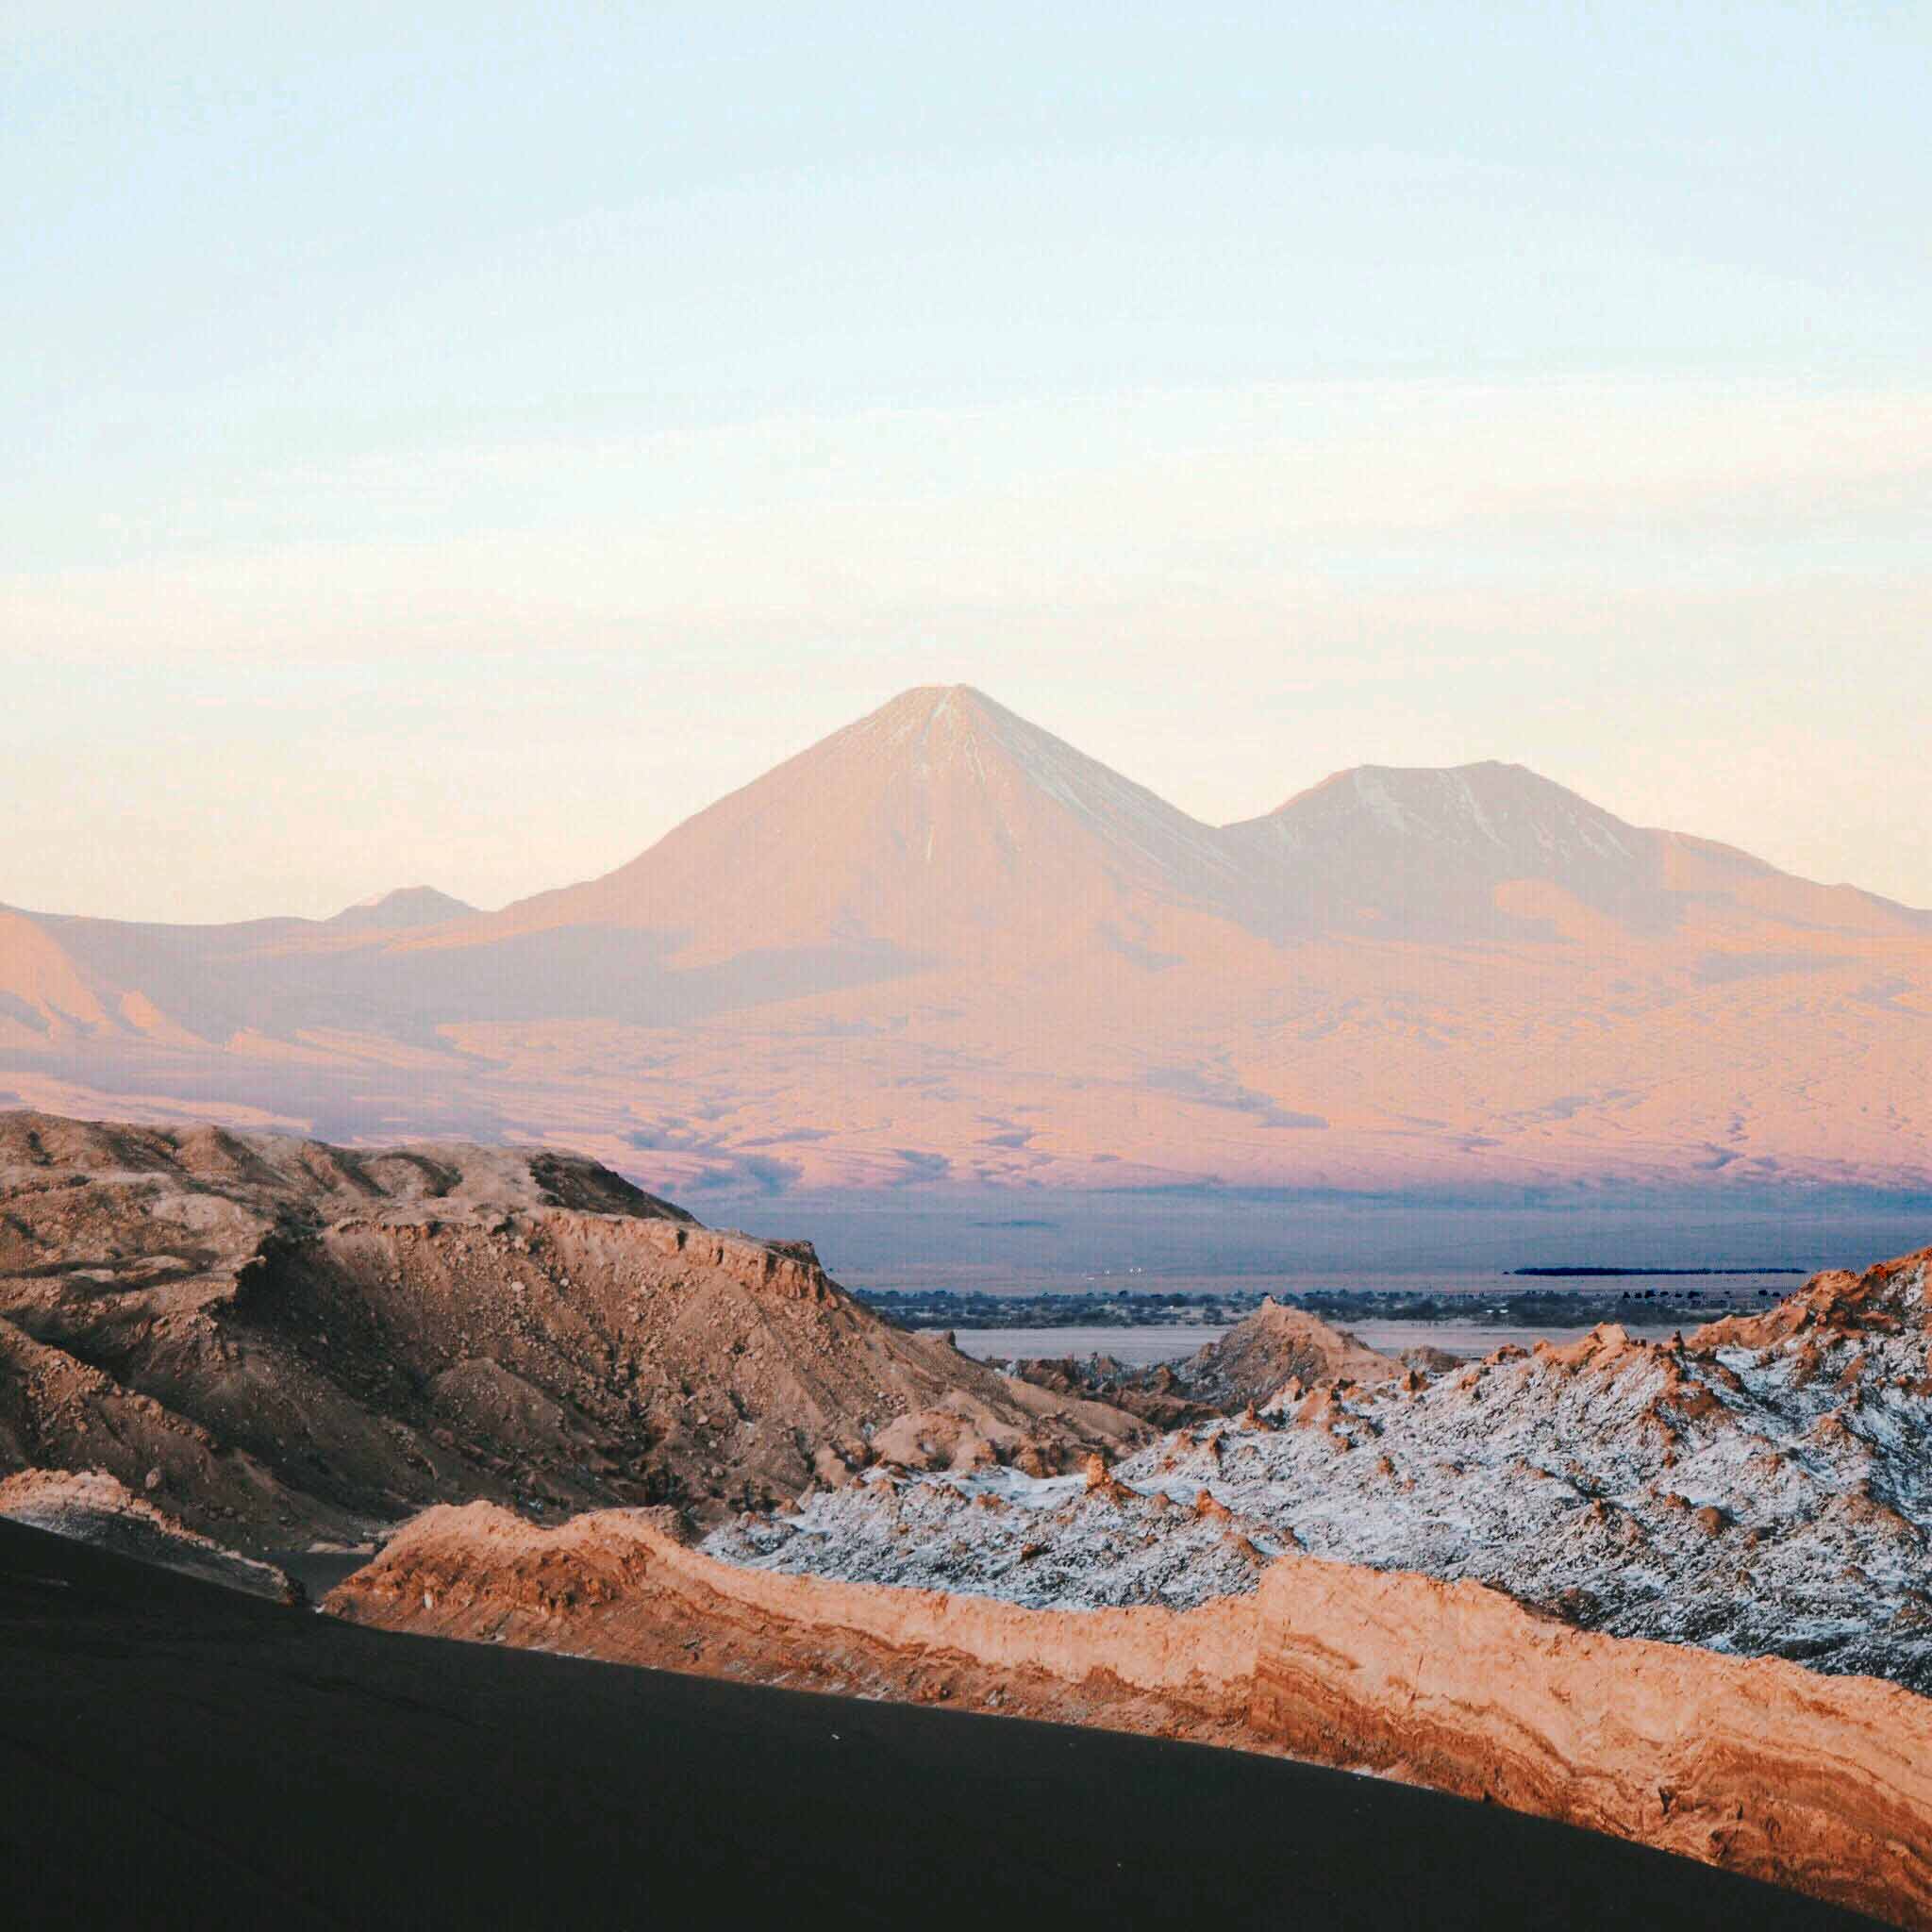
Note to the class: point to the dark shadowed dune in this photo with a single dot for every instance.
(174, 1754)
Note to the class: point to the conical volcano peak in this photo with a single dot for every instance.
(950, 766)
(928, 725)
(943, 824)
(924, 705)
(938, 818)
(936, 725)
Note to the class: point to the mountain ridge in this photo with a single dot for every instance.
(959, 719)
(268, 1334)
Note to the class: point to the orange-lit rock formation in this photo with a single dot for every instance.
(621, 1584)
(1822, 1784)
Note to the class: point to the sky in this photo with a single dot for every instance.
(453, 448)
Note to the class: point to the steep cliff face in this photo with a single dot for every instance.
(281, 1339)
(1762, 1488)
(1822, 1784)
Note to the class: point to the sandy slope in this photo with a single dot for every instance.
(175, 1755)
(92, 1507)
(1760, 1767)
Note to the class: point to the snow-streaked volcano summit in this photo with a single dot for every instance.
(945, 944)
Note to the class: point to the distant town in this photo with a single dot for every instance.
(1665, 1298)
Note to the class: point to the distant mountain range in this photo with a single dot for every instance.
(942, 945)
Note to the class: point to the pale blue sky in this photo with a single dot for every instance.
(455, 447)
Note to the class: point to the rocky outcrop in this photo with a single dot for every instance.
(91, 1508)
(1822, 1784)
(1276, 1350)
(1156, 1394)
(297, 1340)
(1275, 1346)
(1070, 1542)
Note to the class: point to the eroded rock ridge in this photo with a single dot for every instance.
(276, 1339)
(1762, 1487)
